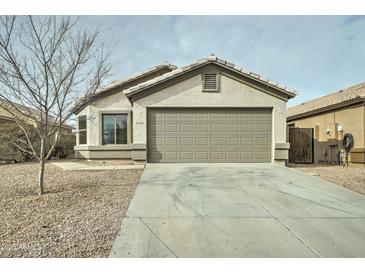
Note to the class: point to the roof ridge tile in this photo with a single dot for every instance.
(209, 59)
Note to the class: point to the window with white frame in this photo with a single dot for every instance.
(115, 129)
(82, 130)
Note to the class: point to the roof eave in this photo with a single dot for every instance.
(77, 109)
(130, 94)
(290, 94)
(199, 65)
(324, 109)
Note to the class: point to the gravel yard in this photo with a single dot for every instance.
(104, 163)
(79, 216)
(349, 177)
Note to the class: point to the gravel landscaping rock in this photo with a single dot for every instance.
(79, 216)
(105, 162)
(349, 177)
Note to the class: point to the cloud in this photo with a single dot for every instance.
(313, 54)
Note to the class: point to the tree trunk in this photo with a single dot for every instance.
(41, 176)
(42, 162)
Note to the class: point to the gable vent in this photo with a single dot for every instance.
(210, 82)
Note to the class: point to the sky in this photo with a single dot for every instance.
(314, 55)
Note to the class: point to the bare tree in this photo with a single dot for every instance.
(46, 65)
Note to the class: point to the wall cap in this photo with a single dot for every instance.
(282, 145)
(139, 146)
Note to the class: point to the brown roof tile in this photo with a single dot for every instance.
(332, 99)
(210, 59)
(83, 102)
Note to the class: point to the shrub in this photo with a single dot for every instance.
(11, 133)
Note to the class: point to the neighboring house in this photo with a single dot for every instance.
(209, 111)
(6, 117)
(330, 117)
(8, 124)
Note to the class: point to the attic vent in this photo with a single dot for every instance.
(210, 82)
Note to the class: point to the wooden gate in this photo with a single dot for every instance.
(301, 145)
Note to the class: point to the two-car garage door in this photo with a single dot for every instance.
(209, 135)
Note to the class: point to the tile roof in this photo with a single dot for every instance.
(138, 75)
(21, 110)
(210, 59)
(332, 99)
(79, 105)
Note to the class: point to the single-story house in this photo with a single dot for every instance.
(331, 117)
(208, 111)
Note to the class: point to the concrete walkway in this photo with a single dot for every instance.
(240, 210)
(74, 166)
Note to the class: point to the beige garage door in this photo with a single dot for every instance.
(209, 135)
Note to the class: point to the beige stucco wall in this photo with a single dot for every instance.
(114, 103)
(189, 94)
(352, 120)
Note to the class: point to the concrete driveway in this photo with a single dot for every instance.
(240, 210)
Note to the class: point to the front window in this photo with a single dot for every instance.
(115, 129)
(82, 130)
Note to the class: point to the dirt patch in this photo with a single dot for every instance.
(78, 217)
(101, 162)
(349, 177)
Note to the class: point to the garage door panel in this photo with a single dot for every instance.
(216, 127)
(186, 141)
(209, 135)
(172, 141)
(171, 156)
(156, 127)
(232, 127)
(264, 127)
(172, 116)
(202, 155)
(201, 127)
(232, 141)
(202, 141)
(247, 155)
(263, 141)
(188, 127)
(155, 141)
(247, 141)
(155, 155)
(217, 155)
(232, 156)
(171, 127)
(186, 155)
(218, 116)
(202, 115)
(217, 141)
(247, 127)
(262, 155)
(231, 116)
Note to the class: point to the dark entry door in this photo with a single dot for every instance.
(301, 145)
